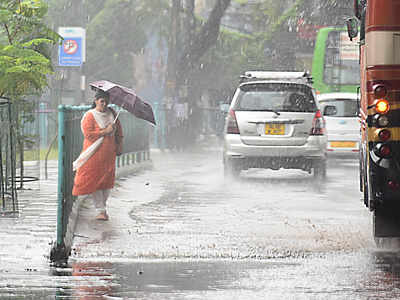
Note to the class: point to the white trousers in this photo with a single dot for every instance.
(100, 200)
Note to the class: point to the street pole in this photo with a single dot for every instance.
(171, 74)
(82, 68)
(172, 50)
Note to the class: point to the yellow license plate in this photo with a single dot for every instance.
(274, 129)
(343, 144)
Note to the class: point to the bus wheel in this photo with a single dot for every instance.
(387, 243)
(386, 226)
(365, 191)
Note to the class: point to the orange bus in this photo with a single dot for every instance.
(379, 25)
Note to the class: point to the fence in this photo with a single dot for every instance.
(8, 195)
(70, 139)
(19, 140)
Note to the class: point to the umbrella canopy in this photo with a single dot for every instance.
(127, 99)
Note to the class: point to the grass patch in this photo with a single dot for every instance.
(30, 155)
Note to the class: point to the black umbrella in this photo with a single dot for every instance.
(127, 99)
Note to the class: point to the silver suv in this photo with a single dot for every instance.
(274, 122)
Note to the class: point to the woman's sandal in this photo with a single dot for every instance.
(102, 216)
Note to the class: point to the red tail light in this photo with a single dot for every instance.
(384, 135)
(380, 90)
(393, 185)
(318, 124)
(232, 126)
(383, 150)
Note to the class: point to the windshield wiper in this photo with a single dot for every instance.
(274, 111)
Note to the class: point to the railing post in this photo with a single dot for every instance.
(163, 126)
(61, 140)
(43, 125)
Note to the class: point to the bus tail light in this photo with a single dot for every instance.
(382, 106)
(318, 124)
(380, 91)
(381, 120)
(383, 150)
(384, 135)
(232, 126)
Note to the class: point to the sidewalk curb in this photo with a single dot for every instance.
(74, 216)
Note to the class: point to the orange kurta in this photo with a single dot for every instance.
(98, 173)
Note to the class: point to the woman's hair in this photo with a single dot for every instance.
(100, 94)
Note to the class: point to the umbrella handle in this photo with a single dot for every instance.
(116, 117)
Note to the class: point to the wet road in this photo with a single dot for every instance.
(181, 231)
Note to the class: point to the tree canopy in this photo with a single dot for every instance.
(24, 48)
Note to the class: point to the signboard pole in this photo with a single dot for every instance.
(72, 56)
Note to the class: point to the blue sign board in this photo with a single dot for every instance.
(70, 53)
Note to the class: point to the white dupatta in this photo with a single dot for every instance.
(103, 120)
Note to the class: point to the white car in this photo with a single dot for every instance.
(274, 122)
(340, 111)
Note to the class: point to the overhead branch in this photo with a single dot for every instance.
(206, 37)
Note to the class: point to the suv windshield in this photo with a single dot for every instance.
(275, 97)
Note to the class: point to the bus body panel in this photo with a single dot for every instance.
(380, 66)
(382, 13)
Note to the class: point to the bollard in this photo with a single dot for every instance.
(156, 131)
(43, 123)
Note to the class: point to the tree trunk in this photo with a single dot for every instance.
(171, 76)
(202, 41)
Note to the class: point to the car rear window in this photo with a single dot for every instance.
(344, 107)
(276, 97)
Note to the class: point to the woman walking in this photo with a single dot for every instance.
(95, 166)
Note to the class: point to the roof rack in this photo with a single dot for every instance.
(276, 75)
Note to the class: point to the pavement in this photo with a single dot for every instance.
(26, 237)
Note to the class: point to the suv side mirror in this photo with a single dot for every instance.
(330, 110)
(352, 28)
(224, 107)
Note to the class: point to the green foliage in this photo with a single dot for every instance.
(270, 17)
(233, 54)
(32, 155)
(116, 30)
(24, 48)
(110, 44)
(242, 2)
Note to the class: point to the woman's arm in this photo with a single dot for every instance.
(118, 130)
(92, 131)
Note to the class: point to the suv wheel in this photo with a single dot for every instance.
(320, 169)
(231, 169)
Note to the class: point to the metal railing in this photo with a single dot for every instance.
(70, 140)
(8, 194)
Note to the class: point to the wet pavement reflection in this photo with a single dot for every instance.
(359, 275)
(186, 233)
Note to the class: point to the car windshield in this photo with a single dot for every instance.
(344, 107)
(275, 97)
